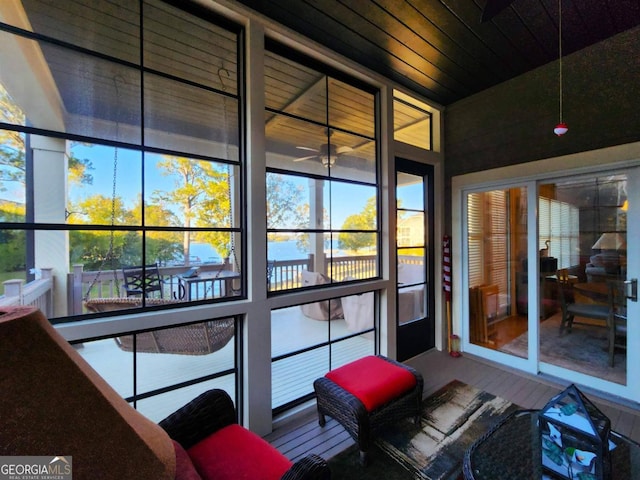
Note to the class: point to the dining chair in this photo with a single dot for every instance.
(142, 281)
(571, 308)
(617, 322)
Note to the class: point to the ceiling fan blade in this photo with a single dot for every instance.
(307, 148)
(493, 8)
(304, 158)
(341, 150)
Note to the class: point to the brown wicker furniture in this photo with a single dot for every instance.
(510, 450)
(206, 428)
(196, 339)
(111, 304)
(347, 404)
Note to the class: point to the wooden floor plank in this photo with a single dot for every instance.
(301, 436)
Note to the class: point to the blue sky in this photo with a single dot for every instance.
(128, 179)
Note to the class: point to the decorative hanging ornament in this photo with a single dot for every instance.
(561, 128)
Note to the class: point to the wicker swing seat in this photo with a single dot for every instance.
(100, 305)
(197, 339)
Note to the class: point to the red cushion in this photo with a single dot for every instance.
(235, 453)
(373, 381)
(184, 466)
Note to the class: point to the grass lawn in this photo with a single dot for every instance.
(4, 276)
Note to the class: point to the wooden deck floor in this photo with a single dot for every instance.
(300, 435)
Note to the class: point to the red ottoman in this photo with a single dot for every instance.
(368, 394)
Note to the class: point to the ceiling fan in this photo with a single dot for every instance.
(328, 153)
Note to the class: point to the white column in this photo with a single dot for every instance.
(316, 214)
(257, 332)
(50, 166)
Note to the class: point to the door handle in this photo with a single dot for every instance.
(631, 289)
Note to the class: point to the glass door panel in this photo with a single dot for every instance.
(583, 228)
(415, 324)
(497, 269)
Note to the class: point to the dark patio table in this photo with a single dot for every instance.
(511, 450)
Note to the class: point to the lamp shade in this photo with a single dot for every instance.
(610, 241)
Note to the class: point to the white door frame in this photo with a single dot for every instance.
(622, 157)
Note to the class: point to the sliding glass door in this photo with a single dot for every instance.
(543, 263)
(583, 229)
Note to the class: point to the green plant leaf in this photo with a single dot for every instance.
(569, 409)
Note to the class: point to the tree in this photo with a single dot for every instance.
(202, 195)
(365, 220)
(287, 207)
(12, 242)
(100, 249)
(161, 246)
(285, 202)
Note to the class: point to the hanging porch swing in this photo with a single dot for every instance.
(200, 338)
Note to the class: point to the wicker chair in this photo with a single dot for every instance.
(350, 412)
(212, 411)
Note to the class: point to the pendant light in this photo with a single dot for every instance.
(561, 128)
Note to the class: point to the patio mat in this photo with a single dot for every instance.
(452, 419)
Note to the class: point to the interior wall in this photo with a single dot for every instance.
(513, 122)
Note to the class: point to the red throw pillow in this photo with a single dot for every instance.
(373, 381)
(235, 453)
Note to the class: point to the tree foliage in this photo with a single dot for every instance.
(201, 194)
(365, 220)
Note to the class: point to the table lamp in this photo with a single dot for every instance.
(610, 241)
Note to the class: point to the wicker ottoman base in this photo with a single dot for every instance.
(350, 412)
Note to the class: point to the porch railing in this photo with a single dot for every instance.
(38, 293)
(86, 285)
(82, 285)
(286, 274)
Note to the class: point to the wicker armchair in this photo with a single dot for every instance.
(211, 412)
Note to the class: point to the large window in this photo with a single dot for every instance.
(323, 222)
(322, 194)
(120, 155)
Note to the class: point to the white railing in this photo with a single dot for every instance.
(38, 293)
(86, 285)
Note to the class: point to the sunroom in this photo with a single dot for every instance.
(188, 218)
(251, 185)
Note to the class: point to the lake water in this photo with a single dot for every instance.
(283, 250)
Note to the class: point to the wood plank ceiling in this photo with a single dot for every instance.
(442, 49)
